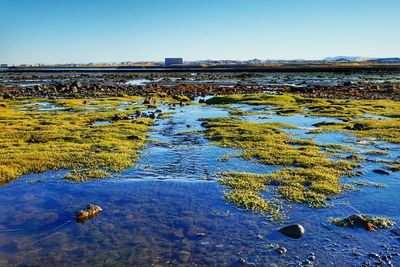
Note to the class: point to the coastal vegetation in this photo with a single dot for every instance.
(309, 173)
(66, 136)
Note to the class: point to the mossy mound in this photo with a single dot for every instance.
(363, 221)
(38, 141)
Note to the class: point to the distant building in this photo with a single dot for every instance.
(3, 65)
(173, 61)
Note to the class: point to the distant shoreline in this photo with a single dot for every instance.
(293, 67)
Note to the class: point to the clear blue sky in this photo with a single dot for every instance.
(63, 31)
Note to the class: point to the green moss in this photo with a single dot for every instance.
(83, 175)
(244, 181)
(247, 199)
(182, 98)
(290, 104)
(394, 167)
(376, 152)
(309, 175)
(166, 115)
(386, 130)
(239, 112)
(363, 221)
(32, 141)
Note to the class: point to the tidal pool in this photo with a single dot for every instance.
(169, 209)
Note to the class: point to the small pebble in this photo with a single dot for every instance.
(374, 255)
(281, 250)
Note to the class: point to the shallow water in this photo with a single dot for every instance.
(169, 209)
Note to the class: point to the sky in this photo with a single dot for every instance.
(82, 31)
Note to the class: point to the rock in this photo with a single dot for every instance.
(374, 255)
(281, 250)
(179, 234)
(184, 256)
(359, 126)
(201, 100)
(293, 231)
(149, 100)
(346, 83)
(364, 221)
(379, 171)
(77, 84)
(311, 258)
(87, 213)
(8, 96)
(117, 117)
(134, 137)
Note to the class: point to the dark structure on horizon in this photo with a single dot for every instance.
(173, 61)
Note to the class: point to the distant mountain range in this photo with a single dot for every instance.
(359, 59)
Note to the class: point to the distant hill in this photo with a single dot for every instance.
(345, 59)
(385, 60)
(361, 59)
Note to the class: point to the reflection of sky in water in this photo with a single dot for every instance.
(159, 211)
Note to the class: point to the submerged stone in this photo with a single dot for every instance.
(281, 250)
(293, 231)
(87, 213)
(379, 171)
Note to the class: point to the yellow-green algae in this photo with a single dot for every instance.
(352, 112)
(395, 167)
(338, 108)
(309, 175)
(383, 129)
(363, 221)
(33, 141)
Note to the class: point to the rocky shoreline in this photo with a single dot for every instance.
(86, 85)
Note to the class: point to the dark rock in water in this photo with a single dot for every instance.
(346, 83)
(379, 171)
(87, 213)
(374, 255)
(117, 117)
(359, 126)
(201, 100)
(281, 250)
(293, 231)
